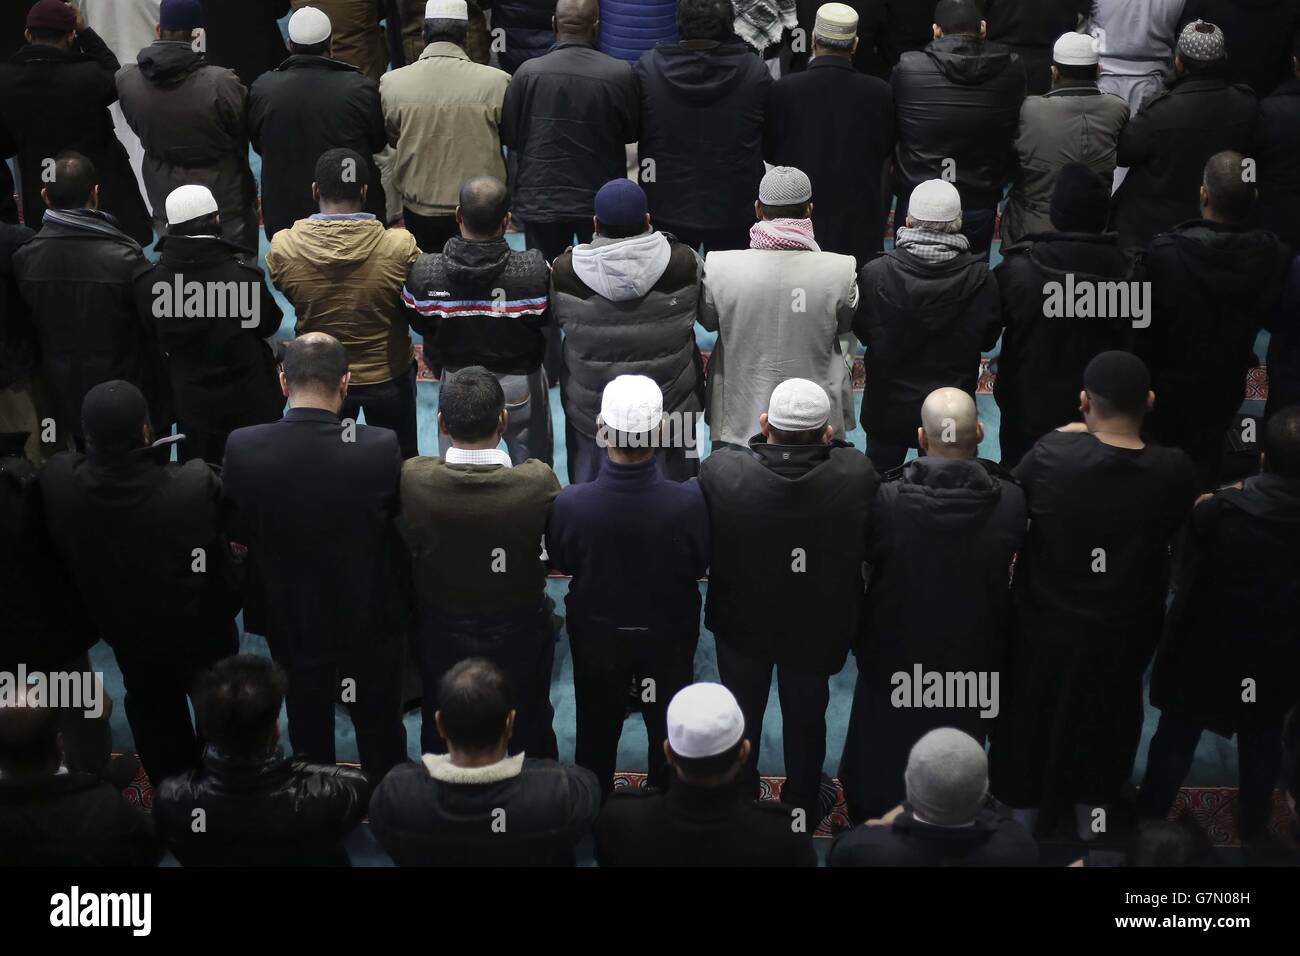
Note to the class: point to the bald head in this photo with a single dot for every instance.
(950, 426)
(576, 19)
(29, 738)
(484, 206)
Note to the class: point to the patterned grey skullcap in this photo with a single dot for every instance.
(1202, 41)
(784, 186)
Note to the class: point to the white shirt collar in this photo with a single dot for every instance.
(477, 456)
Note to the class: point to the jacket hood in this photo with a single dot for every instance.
(474, 264)
(944, 492)
(167, 63)
(622, 269)
(969, 60)
(194, 252)
(704, 71)
(1087, 256)
(339, 240)
(934, 294)
(793, 462)
(1233, 261)
(1269, 497)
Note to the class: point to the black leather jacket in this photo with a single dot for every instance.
(268, 810)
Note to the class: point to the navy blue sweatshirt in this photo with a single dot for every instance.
(636, 545)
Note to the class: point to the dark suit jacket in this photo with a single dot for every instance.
(314, 502)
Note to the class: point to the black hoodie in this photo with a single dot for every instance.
(481, 303)
(223, 374)
(1031, 28)
(925, 325)
(944, 534)
(1040, 368)
(958, 102)
(702, 108)
(1236, 603)
(1213, 287)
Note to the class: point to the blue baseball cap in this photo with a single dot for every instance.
(180, 15)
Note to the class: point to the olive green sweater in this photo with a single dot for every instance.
(477, 533)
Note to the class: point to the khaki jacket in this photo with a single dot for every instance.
(344, 277)
(443, 116)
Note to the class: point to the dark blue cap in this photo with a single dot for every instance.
(621, 202)
(180, 15)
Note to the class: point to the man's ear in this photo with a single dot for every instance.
(442, 424)
(460, 220)
(93, 201)
(934, 27)
(554, 28)
(505, 223)
(668, 753)
(922, 441)
(828, 435)
(979, 434)
(745, 749)
(157, 31)
(510, 724)
(284, 384)
(1085, 406)
(315, 193)
(1056, 74)
(437, 722)
(764, 428)
(758, 210)
(1151, 400)
(45, 195)
(504, 421)
(984, 29)
(364, 191)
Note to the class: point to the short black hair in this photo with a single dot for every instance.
(1110, 408)
(1231, 196)
(341, 174)
(75, 178)
(621, 232)
(1077, 74)
(471, 402)
(1282, 442)
(704, 768)
(798, 211)
(29, 738)
(315, 361)
(209, 225)
(1164, 843)
(238, 703)
(475, 698)
(956, 17)
(1196, 67)
(706, 19)
(484, 203)
(443, 28)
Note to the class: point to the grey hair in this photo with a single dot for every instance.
(841, 46)
(456, 30)
(947, 228)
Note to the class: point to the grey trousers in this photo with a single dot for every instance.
(528, 408)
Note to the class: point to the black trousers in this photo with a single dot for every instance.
(368, 681)
(712, 240)
(431, 232)
(158, 707)
(879, 741)
(552, 238)
(1259, 760)
(605, 662)
(522, 645)
(388, 405)
(804, 698)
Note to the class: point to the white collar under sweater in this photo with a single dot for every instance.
(443, 770)
(477, 456)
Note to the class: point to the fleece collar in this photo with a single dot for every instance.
(443, 770)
